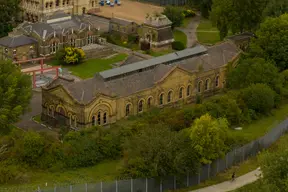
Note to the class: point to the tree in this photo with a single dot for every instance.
(256, 70)
(9, 12)
(272, 42)
(157, 151)
(258, 97)
(236, 15)
(15, 93)
(175, 15)
(275, 8)
(209, 138)
(70, 55)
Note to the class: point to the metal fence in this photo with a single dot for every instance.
(172, 182)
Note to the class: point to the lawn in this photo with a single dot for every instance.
(206, 33)
(180, 36)
(159, 53)
(91, 66)
(186, 22)
(105, 171)
(37, 118)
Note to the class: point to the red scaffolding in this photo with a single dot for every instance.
(41, 59)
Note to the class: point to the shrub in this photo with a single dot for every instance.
(189, 13)
(258, 97)
(70, 55)
(178, 45)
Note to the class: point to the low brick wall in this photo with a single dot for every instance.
(99, 53)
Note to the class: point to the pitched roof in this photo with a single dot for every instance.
(158, 21)
(121, 21)
(85, 91)
(16, 41)
(172, 57)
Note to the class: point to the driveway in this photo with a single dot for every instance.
(190, 31)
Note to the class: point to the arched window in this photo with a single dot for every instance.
(181, 93)
(72, 42)
(57, 3)
(47, 5)
(51, 4)
(63, 2)
(207, 84)
(188, 90)
(128, 109)
(68, 2)
(92, 3)
(89, 39)
(149, 102)
(169, 97)
(83, 10)
(161, 99)
(99, 118)
(199, 89)
(217, 81)
(93, 120)
(140, 106)
(105, 118)
(61, 111)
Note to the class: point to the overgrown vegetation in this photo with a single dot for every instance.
(70, 55)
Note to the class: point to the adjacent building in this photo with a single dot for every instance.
(111, 95)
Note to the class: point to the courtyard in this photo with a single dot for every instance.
(129, 10)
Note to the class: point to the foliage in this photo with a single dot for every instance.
(157, 151)
(275, 8)
(236, 15)
(175, 15)
(259, 98)
(209, 136)
(9, 10)
(177, 45)
(70, 55)
(15, 93)
(272, 42)
(181, 37)
(256, 70)
(189, 13)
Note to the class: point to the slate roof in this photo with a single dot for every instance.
(153, 62)
(16, 41)
(158, 21)
(165, 34)
(132, 59)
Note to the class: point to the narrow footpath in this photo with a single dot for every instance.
(237, 183)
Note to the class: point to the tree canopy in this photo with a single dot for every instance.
(275, 8)
(15, 93)
(209, 136)
(236, 15)
(175, 15)
(272, 41)
(9, 13)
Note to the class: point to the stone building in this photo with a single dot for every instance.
(111, 95)
(46, 37)
(123, 27)
(39, 10)
(158, 32)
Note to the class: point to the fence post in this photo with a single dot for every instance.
(55, 188)
(101, 186)
(70, 188)
(226, 160)
(199, 177)
(243, 153)
(116, 185)
(188, 179)
(86, 187)
(161, 185)
(217, 165)
(131, 185)
(209, 166)
(146, 185)
(174, 182)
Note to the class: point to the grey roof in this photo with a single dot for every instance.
(44, 30)
(121, 21)
(160, 21)
(153, 62)
(165, 34)
(132, 59)
(85, 91)
(16, 41)
(58, 14)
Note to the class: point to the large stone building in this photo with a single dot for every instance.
(135, 88)
(40, 10)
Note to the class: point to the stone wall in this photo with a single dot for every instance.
(97, 51)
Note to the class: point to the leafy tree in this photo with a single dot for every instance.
(256, 70)
(223, 106)
(15, 93)
(175, 15)
(157, 151)
(70, 55)
(272, 42)
(9, 12)
(209, 136)
(258, 97)
(275, 8)
(236, 15)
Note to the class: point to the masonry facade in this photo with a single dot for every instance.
(118, 93)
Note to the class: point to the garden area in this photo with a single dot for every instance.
(206, 33)
(85, 68)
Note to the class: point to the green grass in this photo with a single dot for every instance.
(105, 171)
(206, 33)
(37, 118)
(88, 68)
(180, 36)
(159, 53)
(186, 22)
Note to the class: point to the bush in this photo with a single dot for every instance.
(259, 97)
(189, 13)
(177, 45)
(70, 55)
